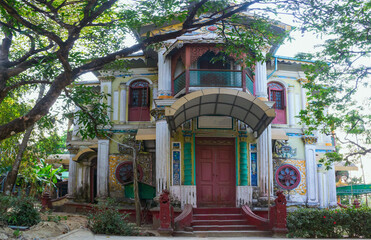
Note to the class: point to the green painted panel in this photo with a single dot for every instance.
(187, 163)
(243, 163)
(354, 190)
(145, 191)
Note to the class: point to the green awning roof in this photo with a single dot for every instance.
(354, 190)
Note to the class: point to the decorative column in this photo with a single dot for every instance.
(72, 175)
(331, 179)
(261, 80)
(311, 170)
(187, 159)
(115, 106)
(102, 168)
(303, 94)
(106, 87)
(263, 161)
(123, 102)
(243, 162)
(322, 187)
(265, 139)
(162, 150)
(290, 105)
(164, 75)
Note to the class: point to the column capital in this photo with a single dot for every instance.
(290, 88)
(309, 140)
(123, 86)
(158, 114)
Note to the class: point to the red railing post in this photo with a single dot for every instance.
(166, 214)
(279, 214)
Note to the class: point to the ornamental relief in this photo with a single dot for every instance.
(310, 140)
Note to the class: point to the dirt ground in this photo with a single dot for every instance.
(52, 225)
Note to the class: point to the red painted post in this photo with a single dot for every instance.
(166, 214)
(279, 214)
(244, 80)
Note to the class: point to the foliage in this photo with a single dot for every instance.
(92, 110)
(19, 211)
(325, 223)
(105, 219)
(54, 43)
(341, 70)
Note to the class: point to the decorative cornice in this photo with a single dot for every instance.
(310, 140)
(106, 78)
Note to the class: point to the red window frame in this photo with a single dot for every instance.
(139, 111)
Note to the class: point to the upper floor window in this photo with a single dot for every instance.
(139, 101)
(276, 93)
(206, 61)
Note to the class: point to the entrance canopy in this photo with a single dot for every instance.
(221, 102)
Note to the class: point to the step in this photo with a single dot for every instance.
(218, 217)
(224, 228)
(216, 210)
(249, 233)
(224, 222)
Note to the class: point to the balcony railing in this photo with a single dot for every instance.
(213, 78)
(179, 82)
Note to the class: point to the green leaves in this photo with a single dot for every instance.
(92, 113)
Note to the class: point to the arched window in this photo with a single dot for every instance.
(276, 93)
(139, 101)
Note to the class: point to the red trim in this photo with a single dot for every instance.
(291, 168)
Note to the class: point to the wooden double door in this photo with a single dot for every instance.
(215, 172)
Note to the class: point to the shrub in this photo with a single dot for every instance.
(324, 223)
(105, 219)
(19, 211)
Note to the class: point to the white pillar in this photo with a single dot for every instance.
(290, 105)
(331, 181)
(297, 108)
(154, 95)
(264, 159)
(311, 170)
(115, 105)
(162, 155)
(72, 177)
(261, 79)
(123, 103)
(102, 168)
(303, 96)
(164, 75)
(106, 87)
(322, 187)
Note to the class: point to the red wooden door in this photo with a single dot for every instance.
(215, 175)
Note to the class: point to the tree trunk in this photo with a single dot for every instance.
(12, 175)
(138, 208)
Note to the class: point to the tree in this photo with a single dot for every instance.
(55, 42)
(341, 69)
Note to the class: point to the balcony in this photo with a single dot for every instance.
(194, 79)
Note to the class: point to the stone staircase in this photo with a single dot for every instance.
(218, 222)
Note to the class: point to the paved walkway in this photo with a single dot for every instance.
(83, 234)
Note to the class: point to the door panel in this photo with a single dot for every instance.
(215, 175)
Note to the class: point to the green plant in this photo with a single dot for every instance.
(56, 218)
(17, 233)
(325, 223)
(105, 219)
(19, 211)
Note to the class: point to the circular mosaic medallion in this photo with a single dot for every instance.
(287, 177)
(124, 172)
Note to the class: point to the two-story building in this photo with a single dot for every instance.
(214, 133)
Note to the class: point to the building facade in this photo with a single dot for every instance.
(214, 133)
